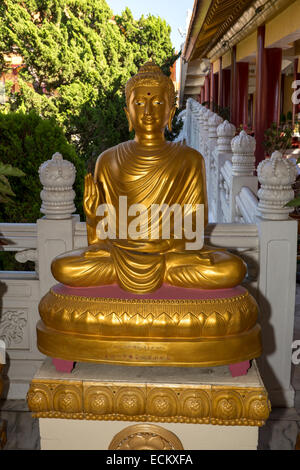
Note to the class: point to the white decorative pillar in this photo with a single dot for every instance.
(188, 122)
(201, 124)
(194, 123)
(55, 230)
(57, 177)
(206, 115)
(243, 168)
(197, 123)
(277, 279)
(225, 133)
(276, 175)
(213, 123)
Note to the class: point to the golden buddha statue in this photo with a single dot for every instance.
(148, 299)
(150, 171)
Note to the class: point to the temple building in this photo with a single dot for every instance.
(242, 57)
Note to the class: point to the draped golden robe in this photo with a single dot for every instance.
(175, 174)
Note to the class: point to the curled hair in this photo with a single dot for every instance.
(150, 74)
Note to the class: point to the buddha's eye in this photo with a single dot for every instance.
(139, 103)
(158, 102)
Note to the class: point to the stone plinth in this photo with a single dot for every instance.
(87, 408)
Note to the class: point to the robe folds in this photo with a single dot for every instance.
(168, 176)
(173, 174)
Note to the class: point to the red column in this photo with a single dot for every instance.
(296, 107)
(226, 88)
(242, 70)
(268, 90)
(202, 95)
(212, 86)
(282, 93)
(206, 88)
(273, 64)
(220, 84)
(233, 86)
(215, 90)
(261, 93)
(251, 110)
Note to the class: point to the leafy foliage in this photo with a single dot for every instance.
(5, 187)
(26, 141)
(77, 59)
(277, 138)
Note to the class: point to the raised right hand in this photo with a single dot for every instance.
(91, 199)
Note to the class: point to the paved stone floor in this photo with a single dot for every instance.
(279, 433)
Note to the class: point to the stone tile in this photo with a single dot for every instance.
(285, 414)
(278, 435)
(13, 405)
(296, 377)
(167, 375)
(22, 430)
(297, 401)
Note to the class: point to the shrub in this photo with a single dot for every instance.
(26, 141)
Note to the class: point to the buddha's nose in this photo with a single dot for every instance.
(148, 108)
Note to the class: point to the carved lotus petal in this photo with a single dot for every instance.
(189, 325)
(214, 325)
(162, 320)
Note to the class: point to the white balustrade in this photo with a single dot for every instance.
(234, 197)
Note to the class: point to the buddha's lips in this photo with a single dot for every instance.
(148, 120)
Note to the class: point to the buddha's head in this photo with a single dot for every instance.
(150, 98)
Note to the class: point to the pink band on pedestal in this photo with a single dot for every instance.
(165, 292)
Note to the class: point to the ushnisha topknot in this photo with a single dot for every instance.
(150, 74)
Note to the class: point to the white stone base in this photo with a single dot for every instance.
(69, 434)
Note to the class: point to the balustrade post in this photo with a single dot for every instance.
(188, 122)
(206, 115)
(203, 109)
(211, 176)
(278, 235)
(243, 168)
(55, 231)
(225, 133)
(197, 127)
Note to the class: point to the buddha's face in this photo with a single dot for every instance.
(149, 109)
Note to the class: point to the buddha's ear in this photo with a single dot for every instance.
(128, 119)
(172, 114)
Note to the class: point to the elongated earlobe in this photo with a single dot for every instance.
(172, 114)
(129, 120)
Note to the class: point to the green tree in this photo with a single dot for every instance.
(26, 141)
(77, 60)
